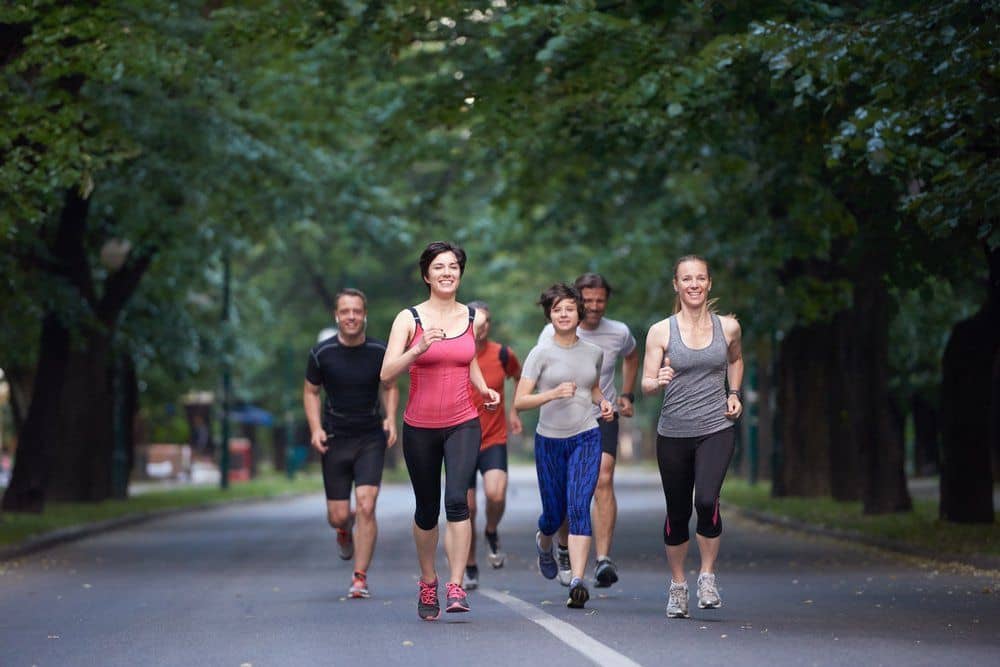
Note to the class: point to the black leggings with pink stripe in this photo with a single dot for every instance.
(695, 465)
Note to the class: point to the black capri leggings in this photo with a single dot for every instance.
(424, 449)
(693, 464)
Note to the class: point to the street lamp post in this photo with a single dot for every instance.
(227, 381)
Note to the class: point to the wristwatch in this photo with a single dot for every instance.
(629, 395)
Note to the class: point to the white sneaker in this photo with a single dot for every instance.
(708, 594)
(565, 573)
(677, 600)
(471, 581)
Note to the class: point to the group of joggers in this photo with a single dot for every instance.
(455, 416)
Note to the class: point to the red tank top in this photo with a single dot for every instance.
(439, 380)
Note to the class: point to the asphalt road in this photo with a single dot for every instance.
(260, 585)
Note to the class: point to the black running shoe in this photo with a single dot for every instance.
(471, 577)
(578, 594)
(605, 573)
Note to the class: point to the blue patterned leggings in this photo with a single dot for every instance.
(567, 475)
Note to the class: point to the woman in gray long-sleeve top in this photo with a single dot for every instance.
(695, 357)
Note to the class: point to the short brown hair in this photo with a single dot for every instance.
(436, 248)
(350, 291)
(592, 281)
(557, 292)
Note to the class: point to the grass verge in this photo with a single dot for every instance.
(920, 528)
(15, 528)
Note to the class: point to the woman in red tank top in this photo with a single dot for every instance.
(435, 341)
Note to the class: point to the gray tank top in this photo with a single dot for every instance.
(694, 403)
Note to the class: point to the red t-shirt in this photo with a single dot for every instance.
(494, 422)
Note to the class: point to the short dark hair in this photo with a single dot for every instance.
(436, 248)
(557, 292)
(349, 291)
(479, 304)
(593, 281)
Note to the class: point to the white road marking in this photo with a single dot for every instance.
(574, 638)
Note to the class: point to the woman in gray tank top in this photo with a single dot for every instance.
(695, 357)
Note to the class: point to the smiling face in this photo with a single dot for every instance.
(692, 282)
(444, 273)
(565, 315)
(350, 315)
(595, 299)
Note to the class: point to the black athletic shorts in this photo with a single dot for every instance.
(609, 436)
(493, 457)
(356, 459)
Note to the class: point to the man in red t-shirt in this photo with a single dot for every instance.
(497, 362)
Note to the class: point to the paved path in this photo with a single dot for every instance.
(259, 584)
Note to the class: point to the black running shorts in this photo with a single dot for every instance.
(493, 457)
(356, 459)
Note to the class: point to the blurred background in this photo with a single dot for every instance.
(186, 185)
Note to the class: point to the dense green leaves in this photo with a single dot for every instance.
(794, 144)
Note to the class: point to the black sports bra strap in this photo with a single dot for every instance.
(472, 313)
(416, 317)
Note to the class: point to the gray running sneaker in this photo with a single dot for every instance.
(605, 573)
(708, 593)
(546, 561)
(565, 573)
(677, 601)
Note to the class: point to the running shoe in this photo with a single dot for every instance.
(677, 601)
(605, 573)
(708, 593)
(359, 586)
(578, 594)
(428, 607)
(565, 573)
(546, 561)
(456, 599)
(471, 577)
(346, 543)
(496, 556)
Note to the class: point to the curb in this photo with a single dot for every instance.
(72, 533)
(978, 561)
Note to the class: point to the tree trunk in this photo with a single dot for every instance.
(967, 398)
(80, 466)
(995, 414)
(835, 426)
(64, 451)
(26, 491)
(803, 427)
(882, 453)
(845, 402)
